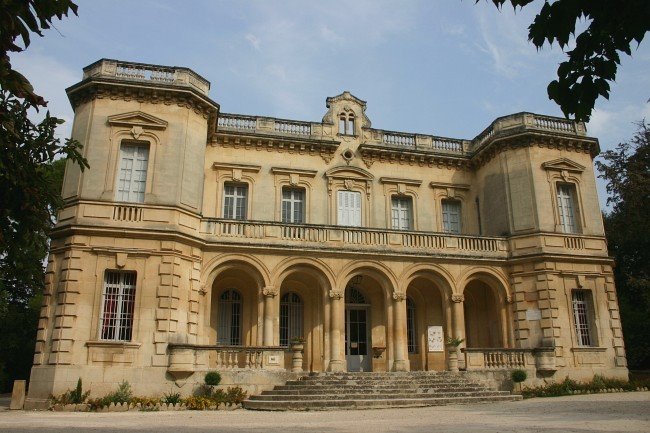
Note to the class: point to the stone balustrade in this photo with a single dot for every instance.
(498, 359)
(184, 359)
(131, 71)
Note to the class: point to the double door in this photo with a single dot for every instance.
(357, 339)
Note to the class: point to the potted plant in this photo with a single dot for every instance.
(452, 352)
(518, 376)
(297, 343)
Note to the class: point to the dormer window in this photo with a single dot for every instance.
(346, 124)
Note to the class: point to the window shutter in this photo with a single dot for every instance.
(349, 208)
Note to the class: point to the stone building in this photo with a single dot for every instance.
(201, 240)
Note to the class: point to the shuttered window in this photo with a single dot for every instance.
(293, 205)
(451, 216)
(132, 178)
(349, 208)
(402, 213)
(566, 208)
(235, 201)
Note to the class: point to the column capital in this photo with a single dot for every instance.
(399, 296)
(270, 291)
(335, 294)
(457, 298)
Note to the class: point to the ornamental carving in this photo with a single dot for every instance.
(335, 294)
(270, 292)
(457, 298)
(399, 297)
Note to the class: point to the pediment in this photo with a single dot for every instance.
(563, 164)
(347, 172)
(346, 102)
(345, 96)
(137, 118)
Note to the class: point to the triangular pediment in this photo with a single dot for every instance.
(563, 164)
(348, 172)
(137, 118)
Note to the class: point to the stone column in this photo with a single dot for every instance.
(269, 293)
(401, 362)
(458, 320)
(337, 330)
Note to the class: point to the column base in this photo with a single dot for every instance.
(336, 366)
(402, 365)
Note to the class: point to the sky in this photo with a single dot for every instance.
(443, 67)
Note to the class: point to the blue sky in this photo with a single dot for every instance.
(438, 67)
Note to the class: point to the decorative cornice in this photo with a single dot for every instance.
(445, 185)
(395, 180)
(371, 153)
(242, 167)
(283, 170)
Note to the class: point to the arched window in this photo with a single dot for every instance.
(412, 341)
(350, 128)
(342, 124)
(229, 327)
(354, 296)
(346, 124)
(290, 318)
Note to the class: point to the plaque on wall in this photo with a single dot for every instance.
(435, 339)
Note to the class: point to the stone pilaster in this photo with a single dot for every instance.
(45, 316)
(399, 327)
(194, 296)
(614, 319)
(337, 323)
(269, 293)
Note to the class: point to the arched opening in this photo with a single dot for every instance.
(483, 328)
(230, 315)
(428, 325)
(302, 296)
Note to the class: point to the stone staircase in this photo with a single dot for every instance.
(337, 391)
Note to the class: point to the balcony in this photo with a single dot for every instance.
(352, 239)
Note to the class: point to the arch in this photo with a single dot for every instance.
(382, 273)
(306, 264)
(224, 262)
(497, 281)
(438, 275)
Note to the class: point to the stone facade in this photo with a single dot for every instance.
(203, 240)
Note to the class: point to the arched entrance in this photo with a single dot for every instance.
(483, 328)
(358, 342)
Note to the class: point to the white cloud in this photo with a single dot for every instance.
(254, 41)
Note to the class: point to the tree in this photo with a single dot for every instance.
(592, 64)
(30, 179)
(627, 172)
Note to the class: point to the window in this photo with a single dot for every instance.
(451, 216)
(293, 205)
(235, 201)
(566, 207)
(118, 299)
(349, 208)
(346, 124)
(229, 326)
(412, 342)
(402, 213)
(290, 318)
(582, 316)
(132, 178)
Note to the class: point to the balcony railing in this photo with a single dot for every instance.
(131, 71)
(187, 358)
(342, 237)
(498, 359)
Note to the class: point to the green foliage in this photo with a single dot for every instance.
(212, 378)
(235, 395)
(569, 386)
(172, 398)
(612, 27)
(626, 170)
(198, 402)
(71, 396)
(455, 341)
(145, 402)
(518, 376)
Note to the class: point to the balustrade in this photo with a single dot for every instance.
(193, 357)
(498, 359)
(292, 127)
(237, 122)
(397, 139)
(554, 124)
(447, 144)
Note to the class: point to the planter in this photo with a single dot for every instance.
(296, 358)
(452, 357)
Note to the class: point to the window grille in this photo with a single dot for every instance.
(354, 296)
(566, 208)
(451, 216)
(293, 205)
(230, 317)
(291, 308)
(581, 312)
(235, 201)
(118, 300)
(411, 333)
(402, 213)
(132, 178)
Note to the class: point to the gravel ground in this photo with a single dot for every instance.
(621, 412)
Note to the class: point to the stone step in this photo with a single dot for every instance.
(378, 396)
(281, 405)
(377, 383)
(382, 388)
(278, 390)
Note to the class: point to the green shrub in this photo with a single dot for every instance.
(145, 401)
(518, 376)
(71, 396)
(171, 398)
(235, 395)
(212, 378)
(198, 402)
(122, 395)
(568, 387)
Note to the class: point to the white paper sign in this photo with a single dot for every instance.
(435, 339)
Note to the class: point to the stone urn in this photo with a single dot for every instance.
(297, 347)
(452, 357)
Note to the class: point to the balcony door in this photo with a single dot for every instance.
(357, 335)
(349, 208)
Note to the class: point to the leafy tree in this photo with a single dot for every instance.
(31, 183)
(613, 25)
(627, 172)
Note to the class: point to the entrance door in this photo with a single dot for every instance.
(357, 347)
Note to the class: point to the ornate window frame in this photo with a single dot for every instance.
(347, 178)
(235, 173)
(293, 178)
(401, 188)
(564, 171)
(450, 191)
